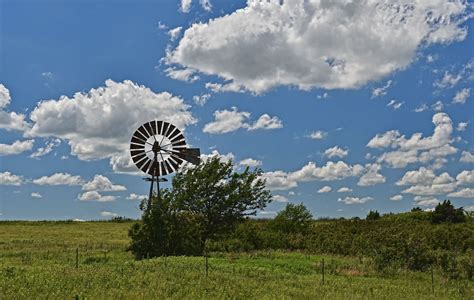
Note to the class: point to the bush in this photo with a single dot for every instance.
(446, 213)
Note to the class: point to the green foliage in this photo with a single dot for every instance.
(372, 216)
(295, 218)
(446, 213)
(205, 202)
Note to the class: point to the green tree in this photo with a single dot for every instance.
(372, 216)
(295, 218)
(445, 212)
(218, 196)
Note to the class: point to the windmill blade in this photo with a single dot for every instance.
(138, 135)
(138, 140)
(153, 127)
(142, 130)
(169, 169)
(147, 127)
(159, 126)
(174, 133)
(137, 147)
(177, 138)
(165, 128)
(146, 166)
(191, 155)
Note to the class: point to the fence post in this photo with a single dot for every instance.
(77, 258)
(322, 269)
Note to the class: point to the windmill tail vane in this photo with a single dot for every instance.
(159, 148)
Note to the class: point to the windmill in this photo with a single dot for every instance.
(158, 148)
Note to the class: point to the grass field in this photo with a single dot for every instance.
(38, 260)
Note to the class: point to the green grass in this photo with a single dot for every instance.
(37, 260)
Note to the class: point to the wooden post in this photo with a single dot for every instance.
(322, 269)
(77, 258)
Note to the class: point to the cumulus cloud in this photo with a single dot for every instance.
(448, 81)
(426, 201)
(381, 91)
(279, 180)
(50, 145)
(462, 126)
(95, 196)
(354, 200)
(437, 106)
(134, 196)
(280, 198)
(187, 75)
(467, 157)
(222, 157)
(7, 178)
(59, 179)
(463, 193)
(101, 183)
(10, 120)
(465, 177)
(99, 124)
(336, 152)
(36, 195)
(325, 189)
(461, 96)
(202, 99)
(250, 162)
(371, 175)
(231, 120)
(174, 33)
(186, 5)
(16, 148)
(416, 149)
(396, 198)
(108, 214)
(318, 135)
(320, 44)
(344, 190)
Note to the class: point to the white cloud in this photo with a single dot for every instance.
(381, 91)
(231, 120)
(467, 157)
(465, 177)
(108, 214)
(394, 104)
(201, 100)
(421, 108)
(344, 190)
(186, 5)
(448, 81)
(50, 145)
(325, 189)
(396, 198)
(462, 126)
(416, 148)
(371, 175)
(250, 162)
(101, 183)
(16, 148)
(431, 58)
(320, 44)
(266, 122)
(174, 33)
(187, 75)
(36, 195)
(99, 124)
(336, 152)
(280, 198)
(426, 201)
(422, 176)
(318, 135)
(95, 196)
(7, 178)
(354, 200)
(10, 120)
(222, 157)
(463, 193)
(59, 179)
(206, 5)
(134, 196)
(437, 106)
(462, 96)
(279, 180)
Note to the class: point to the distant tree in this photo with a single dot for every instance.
(218, 196)
(415, 209)
(295, 218)
(445, 212)
(372, 216)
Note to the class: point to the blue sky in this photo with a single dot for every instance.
(345, 107)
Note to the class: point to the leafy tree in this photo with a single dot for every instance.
(218, 196)
(372, 216)
(445, 212)
(416, 209)
(295, 218)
